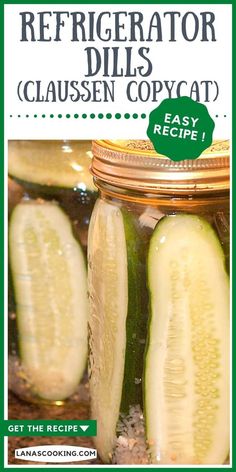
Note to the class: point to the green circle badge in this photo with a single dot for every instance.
(180, 128)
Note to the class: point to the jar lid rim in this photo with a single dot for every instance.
(142, 168)
(144, 147)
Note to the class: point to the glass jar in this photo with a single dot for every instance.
(158, 256)
(51, 196)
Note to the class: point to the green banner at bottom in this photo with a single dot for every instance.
(48, 428)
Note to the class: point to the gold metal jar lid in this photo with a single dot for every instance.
(134, 164)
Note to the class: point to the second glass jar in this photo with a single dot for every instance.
(51, 196)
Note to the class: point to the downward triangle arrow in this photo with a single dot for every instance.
(84, 427)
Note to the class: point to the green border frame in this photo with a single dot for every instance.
(2, 3)
(2, 223)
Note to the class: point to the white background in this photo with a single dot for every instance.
(64, 60)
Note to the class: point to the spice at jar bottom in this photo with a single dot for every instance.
(158, 253)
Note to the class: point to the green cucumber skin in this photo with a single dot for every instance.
(13, 348)
(136, 322)
(223, 254)
(47, 191)
(221, 225)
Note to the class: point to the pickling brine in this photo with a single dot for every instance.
(51, 196)
(158, 254)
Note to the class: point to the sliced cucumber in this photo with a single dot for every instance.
(187, 359)
(108, 290)
(137, 317)
(118, 319)
(49, 277)
(52, 164)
